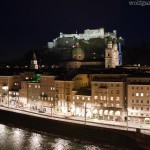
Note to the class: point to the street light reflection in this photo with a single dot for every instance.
(35, 141)
(61, 144)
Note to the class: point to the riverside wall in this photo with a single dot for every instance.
(77, 132)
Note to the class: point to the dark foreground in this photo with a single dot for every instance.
(78, 132)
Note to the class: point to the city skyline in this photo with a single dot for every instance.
(29, 25)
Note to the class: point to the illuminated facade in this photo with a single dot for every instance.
(111, 55)
(108, 97)
(102, 96)
(138, 97)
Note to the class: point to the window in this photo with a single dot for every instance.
(117, 85)
(101, 97)
(83, 98)
(117, 98)
(73, 97)
(142, 94)
(132, 94)
(132, 107)
(35, 86)
(132, 101)
(137, 101)
(141, 108)
(111, 98)
(147, 108)
(117, 91)
(137, 94)
(147, 94)
(104, 97)
(88, 98)
(117, 105)
(132, 87)
(96, 97)
(77, 97)
(141, 101)
(147, 101)
(51, 98)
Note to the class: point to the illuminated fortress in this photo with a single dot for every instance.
(87, 35)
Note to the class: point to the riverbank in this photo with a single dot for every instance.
(133, 140)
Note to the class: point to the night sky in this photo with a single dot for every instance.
(29, 24)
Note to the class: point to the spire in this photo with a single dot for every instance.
(34, 56)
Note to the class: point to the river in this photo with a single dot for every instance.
(12, 138)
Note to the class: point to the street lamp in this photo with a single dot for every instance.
(85, 112)
(127, 119)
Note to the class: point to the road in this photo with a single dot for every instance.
(131, 126)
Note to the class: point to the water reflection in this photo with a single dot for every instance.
(35, 141)
(18, 139)
(61, 144)
(92, 147)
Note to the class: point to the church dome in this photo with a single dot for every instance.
(78, 53)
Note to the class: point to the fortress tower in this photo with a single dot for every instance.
(111, 55)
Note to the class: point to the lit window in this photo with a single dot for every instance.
(51, 98)
(35, 86)
(73, 97)
(117, 105)
(38, 86)
(96, 97)
(104, 97)
(142, 94)
(29, 86)
(111, 98)
(82, 98)
(117, 98)
(77, 97)
(137, 94)
(89, 98)
(101, 97)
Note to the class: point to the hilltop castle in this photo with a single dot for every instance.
(87, 35)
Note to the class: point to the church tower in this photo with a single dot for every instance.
(34, 64)
(111, 55)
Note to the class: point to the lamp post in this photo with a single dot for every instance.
(85, 112)
(127, 119)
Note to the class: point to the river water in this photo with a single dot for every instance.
(12, 138)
